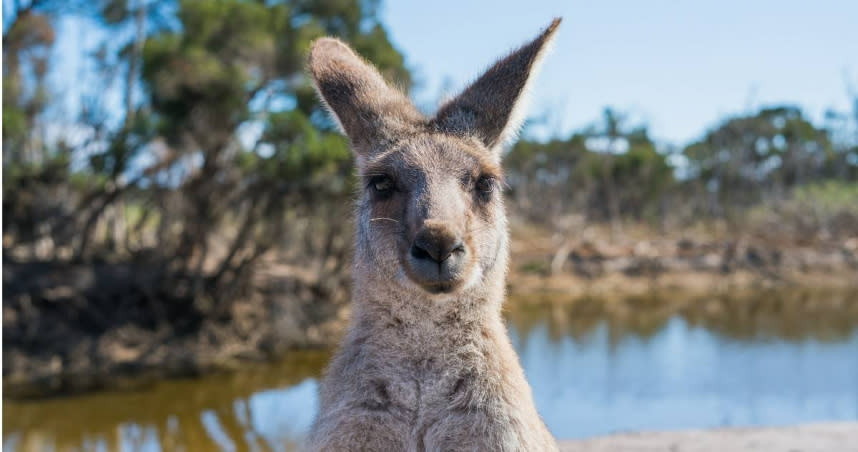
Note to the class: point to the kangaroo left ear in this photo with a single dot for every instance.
(491, 108)
(369, 111)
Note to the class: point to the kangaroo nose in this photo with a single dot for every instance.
(436, 244)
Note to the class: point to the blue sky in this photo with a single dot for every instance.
(678, 65)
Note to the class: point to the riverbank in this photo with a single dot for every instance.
(593, 262)
(79, 327)
(823, 437)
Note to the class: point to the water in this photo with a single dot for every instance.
(596, 367)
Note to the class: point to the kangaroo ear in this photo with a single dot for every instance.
(367, 109)
(491, 108)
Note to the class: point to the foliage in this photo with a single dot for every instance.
(222, 154)
(26, 45)
(226, 157)
(829, 196)
(747, 158)
(606, 172)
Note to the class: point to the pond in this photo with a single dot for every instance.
(596, 367)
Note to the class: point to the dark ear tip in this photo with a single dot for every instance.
(552, 27)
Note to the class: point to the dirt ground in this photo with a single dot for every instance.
(827, 437)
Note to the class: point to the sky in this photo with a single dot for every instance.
(678, 65)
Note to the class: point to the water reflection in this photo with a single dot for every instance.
(596, 366)
(264, 407)
(793, 315)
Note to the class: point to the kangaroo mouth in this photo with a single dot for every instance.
(441, 287)
(435, 278)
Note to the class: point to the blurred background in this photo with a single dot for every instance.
(177, 212)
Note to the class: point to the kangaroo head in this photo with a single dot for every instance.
(430, 213)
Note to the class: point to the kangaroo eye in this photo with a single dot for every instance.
(485, 185)
(381, 184)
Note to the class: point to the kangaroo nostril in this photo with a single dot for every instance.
(419, 253)
(457, 248)
(428, 250)
(437, 249)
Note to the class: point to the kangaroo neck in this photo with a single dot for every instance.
(389, 310)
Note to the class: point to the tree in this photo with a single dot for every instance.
(222, 154)
(747, 158)
(608, 172)
(27, 42)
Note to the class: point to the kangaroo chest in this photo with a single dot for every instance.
(421, 383)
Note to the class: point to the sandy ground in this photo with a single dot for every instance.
(828, 437)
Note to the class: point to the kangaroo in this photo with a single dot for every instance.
(426, 364)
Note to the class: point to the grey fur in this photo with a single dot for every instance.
(420, 369)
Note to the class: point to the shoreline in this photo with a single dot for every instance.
(568, 286)
(814, 437)
(106, 344)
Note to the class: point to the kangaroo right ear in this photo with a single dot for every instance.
(491, 107)
(368, 110)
